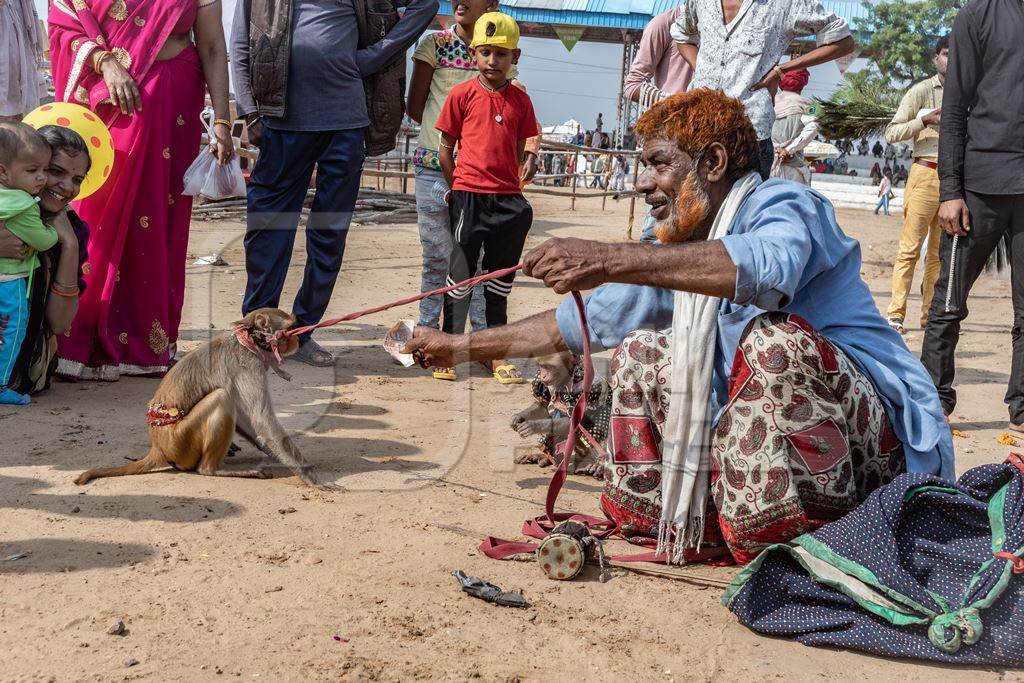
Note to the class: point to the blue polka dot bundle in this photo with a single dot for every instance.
(923, 569)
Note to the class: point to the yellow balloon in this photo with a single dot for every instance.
(92, 129)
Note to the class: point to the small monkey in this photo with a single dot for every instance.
(556, 390)
(217, 390)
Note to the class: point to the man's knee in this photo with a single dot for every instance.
(644, 347)
(777, 342)
(641, 353)
(636, 335)
(944, 312)
(774, 327)
(435, 232)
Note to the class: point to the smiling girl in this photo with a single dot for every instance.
(53, 300)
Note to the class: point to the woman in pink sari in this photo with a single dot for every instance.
(134, 63)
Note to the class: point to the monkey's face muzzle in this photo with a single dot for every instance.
(265, 334)
(287, 346)
(275, 338)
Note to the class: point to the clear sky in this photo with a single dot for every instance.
(580, 83)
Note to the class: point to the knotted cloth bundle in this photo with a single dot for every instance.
(924, 568)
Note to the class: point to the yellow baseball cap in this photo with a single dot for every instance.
(496, 28)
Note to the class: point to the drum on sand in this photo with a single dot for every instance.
(563, 553)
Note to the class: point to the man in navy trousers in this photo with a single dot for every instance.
(298, 77)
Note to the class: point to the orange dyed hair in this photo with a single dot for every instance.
(695, 119)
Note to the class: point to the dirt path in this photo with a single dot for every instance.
(236, 579)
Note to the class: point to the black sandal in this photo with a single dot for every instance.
(479, 588)
(313, 354)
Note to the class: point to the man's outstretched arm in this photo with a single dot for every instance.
(568, 264)
(612, 312)
(531, 337)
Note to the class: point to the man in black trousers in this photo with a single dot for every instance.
(981, 176)
(299, 75)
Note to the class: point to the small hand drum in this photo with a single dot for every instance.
(563, 553)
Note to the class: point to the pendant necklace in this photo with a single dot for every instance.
(498, 116)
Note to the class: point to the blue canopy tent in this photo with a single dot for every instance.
(606, 20)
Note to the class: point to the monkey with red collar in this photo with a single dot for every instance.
(556, 390)
(214, 392)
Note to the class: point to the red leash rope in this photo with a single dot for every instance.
(576, 419)
(471, 282)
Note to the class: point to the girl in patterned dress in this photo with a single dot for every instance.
(556, 390)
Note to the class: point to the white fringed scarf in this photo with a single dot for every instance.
(684, 478)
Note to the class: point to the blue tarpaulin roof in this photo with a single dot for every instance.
(617, 14)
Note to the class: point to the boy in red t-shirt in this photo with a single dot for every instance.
(490, 119)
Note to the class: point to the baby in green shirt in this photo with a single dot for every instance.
(24, 157)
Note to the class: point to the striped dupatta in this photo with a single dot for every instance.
(133, 30)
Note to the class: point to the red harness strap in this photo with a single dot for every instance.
(590, 439)
(1017, 562)
(271, 359)
(587, 436)
(160, 415)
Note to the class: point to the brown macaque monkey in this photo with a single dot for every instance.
(556, 390)
(553, 374)
(217, 390)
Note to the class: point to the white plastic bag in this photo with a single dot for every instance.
(195, 176)
(207, 177)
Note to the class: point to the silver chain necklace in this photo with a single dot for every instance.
(497, 117)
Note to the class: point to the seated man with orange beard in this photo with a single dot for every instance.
(780, 399)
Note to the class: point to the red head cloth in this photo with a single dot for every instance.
(795, 80)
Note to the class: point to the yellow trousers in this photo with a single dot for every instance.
(920, 221)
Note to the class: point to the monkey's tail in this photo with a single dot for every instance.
(153, 461)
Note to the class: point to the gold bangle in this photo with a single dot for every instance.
(781, 71)
(68, 295)
(98, 60)
(224, 121)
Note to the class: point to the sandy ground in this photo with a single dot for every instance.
(221, 578)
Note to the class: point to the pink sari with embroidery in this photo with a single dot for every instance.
(128, 317)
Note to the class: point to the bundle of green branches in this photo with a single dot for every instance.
(858, 109)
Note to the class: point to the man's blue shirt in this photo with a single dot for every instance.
(791, 256)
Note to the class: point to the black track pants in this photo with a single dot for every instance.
(495, 225)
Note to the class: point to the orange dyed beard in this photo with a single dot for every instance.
(692, 207)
